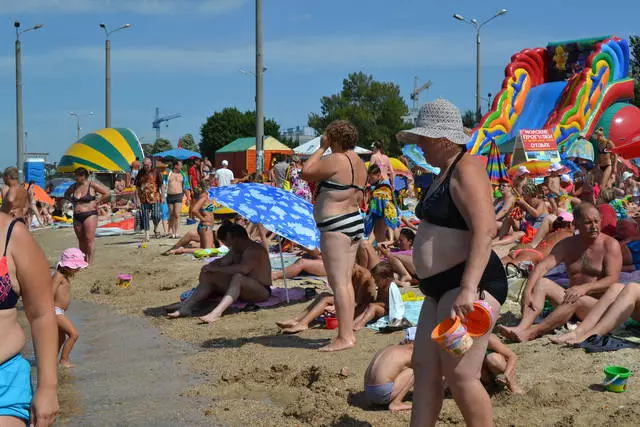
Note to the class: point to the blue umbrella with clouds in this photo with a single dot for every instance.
(278, 211)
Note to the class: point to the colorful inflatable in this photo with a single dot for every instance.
(106, 150)
(565, 87)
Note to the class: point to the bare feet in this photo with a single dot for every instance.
(209, 318)
(402, 406)
(356, 328)
(182, 312)
(567, 338)
(294, 329)
(515, 334)
(287, 323)
(67, 364)
(337, 345)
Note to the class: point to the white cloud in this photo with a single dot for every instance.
(392, 52)
(148, 7)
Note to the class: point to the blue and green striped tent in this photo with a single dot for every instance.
(106, 150)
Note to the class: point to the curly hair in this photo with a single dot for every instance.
(344, 133)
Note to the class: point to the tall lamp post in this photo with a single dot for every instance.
(77, 117)
(19, 121)
(478, 26)
(107, 76)
(259, 111)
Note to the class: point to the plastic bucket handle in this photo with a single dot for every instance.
(611, 381)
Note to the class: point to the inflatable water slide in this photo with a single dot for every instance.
(565, 87)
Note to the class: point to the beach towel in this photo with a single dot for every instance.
(396, 305)
(411, 313)
(277, 297)
(559, 275)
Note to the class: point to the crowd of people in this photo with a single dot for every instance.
(573, 235)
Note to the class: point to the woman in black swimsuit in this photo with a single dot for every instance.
(341, 177)
(455, 264)
(84, 195)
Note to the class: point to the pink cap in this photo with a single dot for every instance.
(73, 258)
(566, 216)
(522, 170)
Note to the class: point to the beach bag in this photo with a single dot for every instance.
(286, 184)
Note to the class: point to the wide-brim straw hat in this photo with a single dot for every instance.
(437, 119)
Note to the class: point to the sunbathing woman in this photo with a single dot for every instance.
(606, 159)
(524, 219)
(364, 287)
(310, 264)
(562, 228)
(203, 210)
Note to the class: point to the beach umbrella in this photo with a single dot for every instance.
(495, 166)
(40, 194)
(178, 154)
(581, 149)
(60, 189)
(278, 211)
(415, 155)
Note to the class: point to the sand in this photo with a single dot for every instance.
(245, 372)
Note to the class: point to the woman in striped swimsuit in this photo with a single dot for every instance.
(342, 176)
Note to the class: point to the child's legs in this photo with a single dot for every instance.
(65, 325)
(401, 386)
(316, 309)
(495, 363)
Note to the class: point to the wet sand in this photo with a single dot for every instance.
(243, 372)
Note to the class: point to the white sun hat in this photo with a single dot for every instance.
(522, 170)
(626, 175)
(566, 178)
(437, 119)
(556, 167)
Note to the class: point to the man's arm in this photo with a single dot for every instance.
(220, 262)
(506, 207)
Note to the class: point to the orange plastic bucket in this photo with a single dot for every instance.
(452, 336)
(480, 320)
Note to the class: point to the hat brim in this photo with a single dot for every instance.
(410, 136)
(74, 264)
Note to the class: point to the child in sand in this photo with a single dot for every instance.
(389, 376)
(383, 275)
(364, 287)
(71, 261)
(500, 361)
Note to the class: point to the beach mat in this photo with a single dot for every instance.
(278, 296)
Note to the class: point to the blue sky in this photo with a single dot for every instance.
(183, 56)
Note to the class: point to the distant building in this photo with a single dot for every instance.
(299, 134)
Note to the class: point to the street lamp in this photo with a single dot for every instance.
(107, 77)
(259, 111)
(78, 116)
(19, 120)
(478, 26)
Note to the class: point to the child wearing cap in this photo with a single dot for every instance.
(71, 261)
(389, 376)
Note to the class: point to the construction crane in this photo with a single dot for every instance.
(158, 120)
(415, 95)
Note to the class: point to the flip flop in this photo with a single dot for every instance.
(251, 307)
(601, 344)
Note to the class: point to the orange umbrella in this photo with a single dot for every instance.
(40, 194)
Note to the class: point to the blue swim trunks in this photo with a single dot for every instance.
(15, 388)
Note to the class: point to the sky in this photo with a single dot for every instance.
(185, 56)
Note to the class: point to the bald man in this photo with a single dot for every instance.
(593, 261)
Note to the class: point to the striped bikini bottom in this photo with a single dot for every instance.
(351, 225)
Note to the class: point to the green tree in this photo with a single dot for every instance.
(147, 149)
(161, 145)
(375, 108)
(230, 124)
(634, 42)
(189, 143)
(469, 119)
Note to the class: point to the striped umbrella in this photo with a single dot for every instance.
(495, 166)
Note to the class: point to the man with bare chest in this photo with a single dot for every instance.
(593, 262)
(244, 273)
(15, 199)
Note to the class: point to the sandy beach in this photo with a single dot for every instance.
(241, 371)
